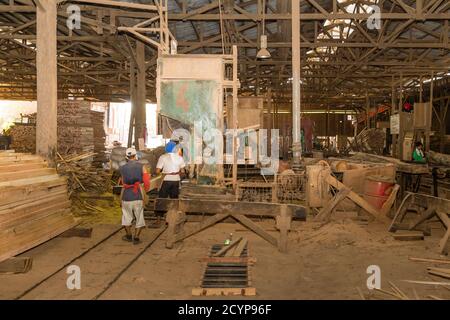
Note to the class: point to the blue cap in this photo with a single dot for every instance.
(170, 147)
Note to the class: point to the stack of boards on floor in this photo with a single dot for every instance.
(34, 205)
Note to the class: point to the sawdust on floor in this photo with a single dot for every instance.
(324, 262)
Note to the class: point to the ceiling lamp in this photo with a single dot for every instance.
(263, 53)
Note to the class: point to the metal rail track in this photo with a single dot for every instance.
(103, 240)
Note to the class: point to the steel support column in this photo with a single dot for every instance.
(296, 107)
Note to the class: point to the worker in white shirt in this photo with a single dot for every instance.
(171, 164)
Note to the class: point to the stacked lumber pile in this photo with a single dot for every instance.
(83, 177)
(34, 206)
(97, 120)
(80, 131)
(75, 132)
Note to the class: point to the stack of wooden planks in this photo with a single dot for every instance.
(75, 132)
(97, 120)
(34, 206)
(80, 131)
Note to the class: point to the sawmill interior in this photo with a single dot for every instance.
(224, 149)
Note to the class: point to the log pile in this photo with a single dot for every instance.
(23, 137)
(34, 205)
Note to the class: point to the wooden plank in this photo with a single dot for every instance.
(203, 225)
(255, 228)
(432, 283)
(16, 265)
(229, 207)
(444, 245)
(22, 166)
(423, 217)
(358, 200)
(34, 206)
(444, 218)
(390, 201)
(240, 248)
(408, 235)
(12, 244)
(249, 291)
(34, 182)
(438, 261)
(26, 174)
(248, 260)
(77, 232)
(29, 212)
(225, 249)
(443, 270)
(401, 211)
(325, 213)
(21, 198)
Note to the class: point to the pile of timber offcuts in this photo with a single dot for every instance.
(83, 177)
(34, 206)
(370, 141)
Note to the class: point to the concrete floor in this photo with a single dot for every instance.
(324, 262)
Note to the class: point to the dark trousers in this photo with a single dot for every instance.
(169, 189)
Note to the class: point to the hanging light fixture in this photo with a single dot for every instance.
(263, 53)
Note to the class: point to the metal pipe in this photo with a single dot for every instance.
(296, 106)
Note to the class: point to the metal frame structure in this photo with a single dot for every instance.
(338, 65)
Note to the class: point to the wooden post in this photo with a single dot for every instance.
(140, 122)
(367, 111)
(283, 221)
(46, 74)
(132, 100)
(327, 133)
(175, 222)
(428, 128)
(421, 90)
(393, 111)
(443, 125)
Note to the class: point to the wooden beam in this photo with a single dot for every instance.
(358, 200)
(325, 213)
(202, 226)
(140, 120)
(255, 228)
(229, 207)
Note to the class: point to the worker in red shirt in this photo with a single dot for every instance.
(136, 182)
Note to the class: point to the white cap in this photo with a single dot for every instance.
(130, 152)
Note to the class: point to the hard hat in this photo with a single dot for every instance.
(170, 146)
(130, 152)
